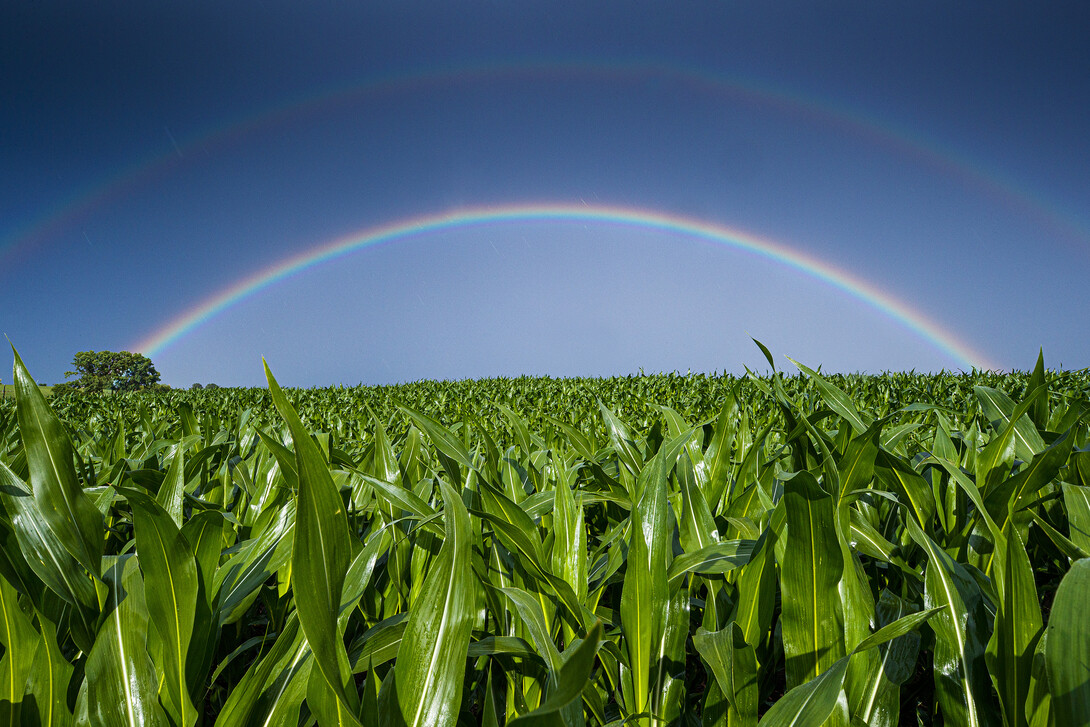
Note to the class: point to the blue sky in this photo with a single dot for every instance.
(154, 155)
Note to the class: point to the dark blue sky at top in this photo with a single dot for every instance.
(152, 154)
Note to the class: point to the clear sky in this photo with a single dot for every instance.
(863, 186)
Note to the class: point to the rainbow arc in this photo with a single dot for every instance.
(698, 230)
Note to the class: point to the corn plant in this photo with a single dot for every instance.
(665, 550)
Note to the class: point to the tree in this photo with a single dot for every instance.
(112, 371)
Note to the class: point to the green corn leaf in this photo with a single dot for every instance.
(121, 682)
(1077, 502)
(734, 665)
(369, 701)
(281, 701)
(998, 408)
(1067, 648)
(66, 511)
(961, 632)
(812, 621)
(757, 590)
(324, 704)
(13, 563)
(380, 643)
(837, 400)
(1039, 702)
(170, 592)
(204, 533)
(898, 476)
(401, 498)
(571, 681)
(718, 558)
(812, 703)
(425, 688)
(48, 680)
(569, 556)
(717, 457)
(489, 716)
(320, 558)
(1040, 411)
(533, 618)
(644, 594)
(878, 704)
(1018, 627)
(284, 458)
(171, 492)
(669, 669)
(243, 699)
(49, 559)
(444, 441)
(696, 527)
(20, 642)
(622, 441)
(1018, 491)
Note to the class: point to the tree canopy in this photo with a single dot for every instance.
(112, 371)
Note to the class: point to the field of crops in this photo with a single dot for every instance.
(798, 550)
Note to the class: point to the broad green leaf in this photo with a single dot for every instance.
(443, 440)
(170, 591)
(49, 679)
(812, 621)
(172, 490)
(569, 554)
(20, 642)
(622, 440)
(669, 669)
(696, 528)
(644, 594)
(320, 558)
(243, 699)
(1040, 411)
(1020, 490)
(717, 457)
(1018, 626)
(533, 618)
(837, 400)
(717, 558)
(961, 633)
(1077, 501)
(66, 511)
(812, 703)
(49, 559)
(425, 687)
(757, 590)
(998, 408)
(1067, 648)
(570, 683)
(878, 703)
(899, 477)
(734, 664)
(121, 682)
(380, 643)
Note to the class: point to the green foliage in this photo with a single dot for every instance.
(669, 550)
(112, 371)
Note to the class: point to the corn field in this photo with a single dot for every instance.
(899, 549)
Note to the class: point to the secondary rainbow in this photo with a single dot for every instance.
(952, 163)
(700, 230)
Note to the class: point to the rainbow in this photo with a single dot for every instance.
(906, 142)
(699, 230)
